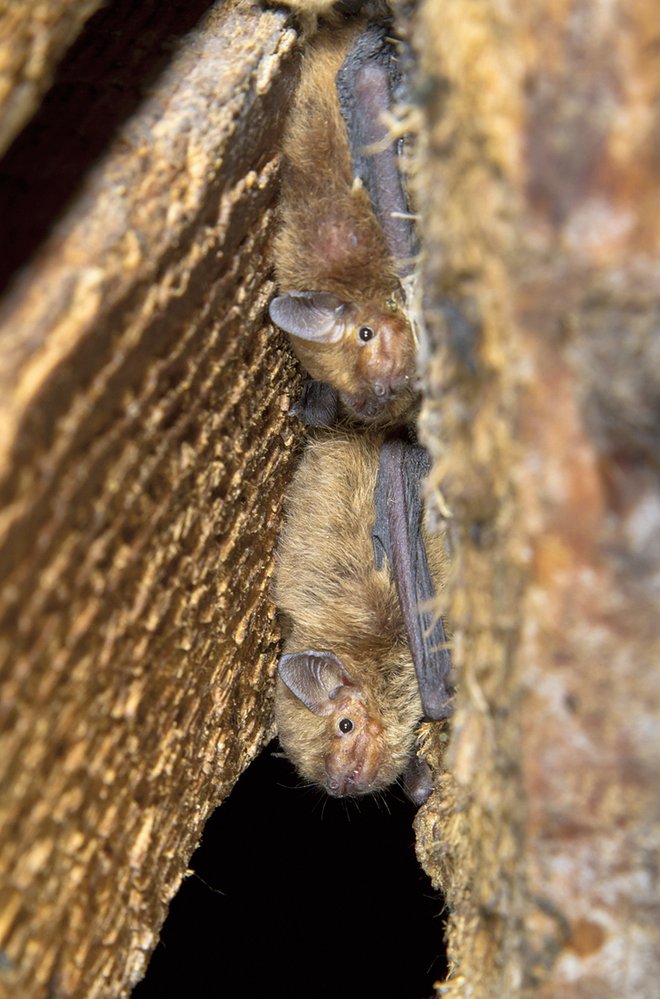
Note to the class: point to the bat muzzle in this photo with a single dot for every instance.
(352, 766)
(348, 784)
(392, 385)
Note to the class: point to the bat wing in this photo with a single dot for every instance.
(366, 82)
(317, 404)
(417, 780)
(397, 535)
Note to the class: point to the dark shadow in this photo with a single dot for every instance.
(98, 85)
(300, 895)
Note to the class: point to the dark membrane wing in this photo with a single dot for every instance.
(397, 535)
(417, 780)
(317, 405)
(366, 83)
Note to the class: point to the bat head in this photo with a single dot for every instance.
(367, 353)
(326, 727)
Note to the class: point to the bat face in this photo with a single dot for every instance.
(346, 753)
(355, 755)
(346, 715)
(382, 356)
(319, 702)
(366, 353)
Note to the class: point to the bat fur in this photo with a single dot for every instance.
(333, 598)
(331, 245)
(309, 12)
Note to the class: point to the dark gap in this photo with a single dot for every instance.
(98, 85)
(299, 894)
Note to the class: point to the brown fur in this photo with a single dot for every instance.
(333, 10)
(330, 240)
(334, 599)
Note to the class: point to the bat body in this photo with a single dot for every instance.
(331, 9)
(344, 243)
(348, 698)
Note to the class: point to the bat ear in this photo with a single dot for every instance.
(310, 315)
(314, 677)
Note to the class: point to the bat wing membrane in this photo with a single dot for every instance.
(397, 535)
(365, 85)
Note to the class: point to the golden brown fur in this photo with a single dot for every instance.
(329, 232)
(330, 240)
(333, 10)
(334, 599)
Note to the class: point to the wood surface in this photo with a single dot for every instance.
(144, 456)
(539, 188)
(145, 452)
(33, 38)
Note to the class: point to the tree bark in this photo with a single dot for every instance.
(145, 452)
(33, 39)
(539, 189)
(144, 456)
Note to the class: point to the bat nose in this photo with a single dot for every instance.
(337, 787)
(390, 384)
(348, 783)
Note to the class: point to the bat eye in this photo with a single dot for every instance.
(345, 726)
(366, 333)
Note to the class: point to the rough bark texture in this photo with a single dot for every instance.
(33, 38)
(144, 455)
(540, 191)
(145, 451)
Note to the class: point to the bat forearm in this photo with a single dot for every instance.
(398, 502)
(364, 85)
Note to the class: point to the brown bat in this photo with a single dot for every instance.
(345, 241)
(361, 664)
(311, 10)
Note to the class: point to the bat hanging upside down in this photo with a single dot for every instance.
(364, 660)
(346, 241)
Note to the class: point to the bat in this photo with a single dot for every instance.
(397, 535)
(311, 10)
(345, 243)
(358, 674)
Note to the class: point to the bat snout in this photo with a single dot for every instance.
(390, 368)
(349, 783)
(353, 764)
(391, 384)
